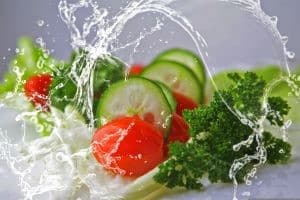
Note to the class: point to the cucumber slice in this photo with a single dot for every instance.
(188, 58)
(177, 77)
(135, 96)
(169, 95)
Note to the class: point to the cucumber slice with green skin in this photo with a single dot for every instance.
(188, 58)
(169, 95)
(177, 77)
(135, 96)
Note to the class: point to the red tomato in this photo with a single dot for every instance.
(128, 146)
(136, 69)
(37, 89)
(179, 132)
(183, 103)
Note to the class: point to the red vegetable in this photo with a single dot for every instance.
(37, 89)
(136, 69)
(183, 103)
(128, 146)
(179, 132)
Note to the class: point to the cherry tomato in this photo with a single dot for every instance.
(179, 132)
(128, 146)
(136, 69)
(183, 103)
(37, 89)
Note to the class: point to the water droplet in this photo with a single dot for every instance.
(22, 52)
(246, 194)
(248, 182)
(284, 39)
(288, 123)
(40, 22)
(236, 147)
(259, 183)
(244, 120)
(290, 54)
(274, 19)
(39, 40)
(281, 151)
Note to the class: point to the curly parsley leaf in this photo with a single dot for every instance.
(215, 129)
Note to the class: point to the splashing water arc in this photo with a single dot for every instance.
(66, 167)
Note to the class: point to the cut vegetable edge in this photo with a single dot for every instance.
(135, 96)
(188, 58)
(168, 94)
(177, 77)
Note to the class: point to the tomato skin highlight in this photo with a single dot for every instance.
(183, 103)
(37, 89)
(179, 132)
(128, 146)
(136, 69)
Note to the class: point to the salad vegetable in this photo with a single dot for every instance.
(184, 103)
(37, 89)
(187, 58)
(30, 60)
(271, 74)
(136, 96)
(176, 76)
(128, 146)
(49, 83)
(169, 95)
(179, 132)
(136, 69)
(153, 123)
(214, 131)
(107, 70)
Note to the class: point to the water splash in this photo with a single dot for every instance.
(270, 22)
(40, 22)
(63, 160)
(108, 29)
(66, 167)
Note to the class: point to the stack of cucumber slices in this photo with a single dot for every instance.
(149, 95)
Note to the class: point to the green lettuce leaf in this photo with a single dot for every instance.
(30, 59)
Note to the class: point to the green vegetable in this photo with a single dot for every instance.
(169, 95)
(177, 77)
(269, 73)
(107, 70)
(30, 59)
(62, 89)
(187, 58)
(214, 130)
(136, 96)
